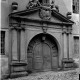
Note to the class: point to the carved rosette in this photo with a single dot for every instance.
(45, 14)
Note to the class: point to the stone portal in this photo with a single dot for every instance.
(42, 53)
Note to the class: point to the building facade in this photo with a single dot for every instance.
(39, 35)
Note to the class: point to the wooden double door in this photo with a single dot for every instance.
(42, 56)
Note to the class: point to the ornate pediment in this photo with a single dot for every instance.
(37, 12)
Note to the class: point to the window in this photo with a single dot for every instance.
(76, 6)
(76, 47)
(2, 42)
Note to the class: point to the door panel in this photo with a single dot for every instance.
(37, 65)
(38, 59)
(30, 63)
(46, 57)
(54, 62)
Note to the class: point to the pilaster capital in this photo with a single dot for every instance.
(16, 26)
(67, 33)
(64, 30)
(70, 30)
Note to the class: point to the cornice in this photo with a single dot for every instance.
(40, 21)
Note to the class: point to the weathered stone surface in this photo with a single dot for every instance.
(51, 75)
(4, 67)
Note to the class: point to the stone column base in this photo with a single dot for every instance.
(67, 63)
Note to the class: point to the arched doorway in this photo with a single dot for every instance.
(42, 53)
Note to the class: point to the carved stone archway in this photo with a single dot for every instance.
(42, 53)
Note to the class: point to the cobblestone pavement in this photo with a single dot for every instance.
(50, 75)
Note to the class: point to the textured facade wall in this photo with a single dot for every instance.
(64, 7)
(75, 17)
(4, 67)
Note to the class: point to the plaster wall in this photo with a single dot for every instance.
(68, 4)
(76, 25)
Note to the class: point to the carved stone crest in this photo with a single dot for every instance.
(45, 14)
(32, 4)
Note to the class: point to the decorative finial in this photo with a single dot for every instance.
(14, 6)
(53, 4)
(69, 15)
(57, 8)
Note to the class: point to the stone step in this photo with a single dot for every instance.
(18, 67)
(18, 74)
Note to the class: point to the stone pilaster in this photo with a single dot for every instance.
(19, 43)
(70, 41)
(64, 42)
(67, 60)
(67, 45)
(14, 41)
(23, 53)
(67, 35)
(10, 48)
(14, 45)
